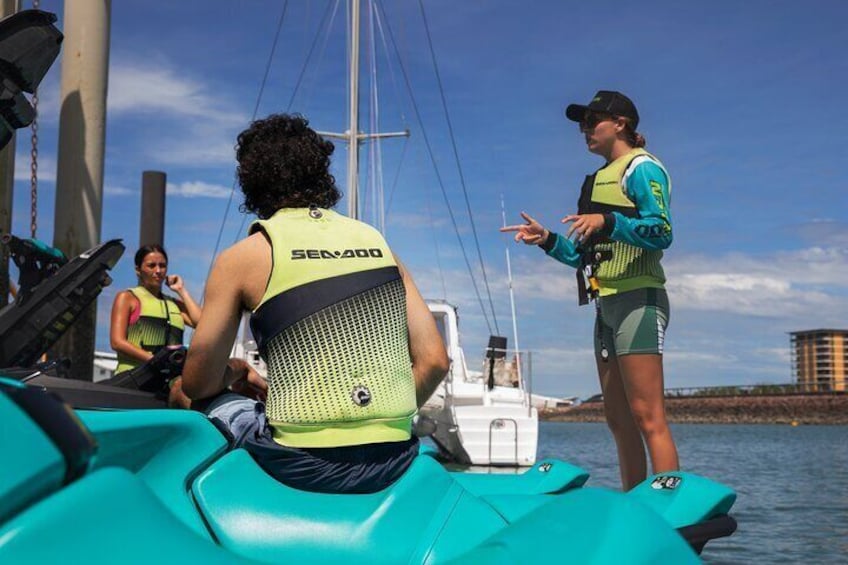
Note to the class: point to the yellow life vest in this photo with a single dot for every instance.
(159, 323)
(332, 329)
(623, 266)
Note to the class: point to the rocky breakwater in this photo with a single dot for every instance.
(743, 409)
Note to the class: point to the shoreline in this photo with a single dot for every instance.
(819, 409)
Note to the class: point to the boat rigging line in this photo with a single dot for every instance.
(397, 176)
(253, 117)
(458, 165)
(379, 21)
(331, 14)
(375, 153)
(307, 91)
(432, 156)
(436, 245)
(332, 17)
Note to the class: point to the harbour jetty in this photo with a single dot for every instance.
(792, 409)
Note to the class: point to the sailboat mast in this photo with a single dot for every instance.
(353, 126)
(353, 135)
(511, 296)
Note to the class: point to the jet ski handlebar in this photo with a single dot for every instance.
(154, 375)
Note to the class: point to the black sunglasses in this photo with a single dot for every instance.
(592, 119)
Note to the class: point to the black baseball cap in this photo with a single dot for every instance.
(607, 102)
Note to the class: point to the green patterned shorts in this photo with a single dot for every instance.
(632, 322)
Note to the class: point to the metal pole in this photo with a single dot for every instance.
(509, 277)
(353, 135)
(82, 137)
(152, 226)
(530, 381)
(353, 126)
(7, 184)
(512, 302)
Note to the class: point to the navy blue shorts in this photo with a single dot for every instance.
(351, 469)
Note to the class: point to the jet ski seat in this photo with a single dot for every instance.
(163, 448)
(255, 516)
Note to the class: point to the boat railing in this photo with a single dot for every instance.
(499, 423)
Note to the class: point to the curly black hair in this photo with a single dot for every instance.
(283, 163)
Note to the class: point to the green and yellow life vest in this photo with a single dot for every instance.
(622, 266)
(159, 323)
(332, 329)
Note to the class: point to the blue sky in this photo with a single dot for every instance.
(743, 102)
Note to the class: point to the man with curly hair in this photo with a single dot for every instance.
(351, 348)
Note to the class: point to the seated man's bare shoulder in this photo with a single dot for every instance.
(247, 264)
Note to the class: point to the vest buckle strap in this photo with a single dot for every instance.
(600, 255)
(587, 280)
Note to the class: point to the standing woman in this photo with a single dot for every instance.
(144, 319)
(615, 242)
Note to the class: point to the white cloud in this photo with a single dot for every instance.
(562, 371)
(410, 220)
(563, 359)
(824, 231)
(751, 300)
(686, 357)
(543, 278)
(112, 190)
(144, 88)
(198, 189)
(785, 284)
(46, 163)
(201, 123)
(777, 354)
(730, 313)
(196, 145)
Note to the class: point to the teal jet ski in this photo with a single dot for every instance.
(163, 485)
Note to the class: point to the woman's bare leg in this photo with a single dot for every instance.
(628, 440)
(642, 377)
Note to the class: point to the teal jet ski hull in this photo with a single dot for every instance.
(163, 485)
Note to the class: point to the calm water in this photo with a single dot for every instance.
(792, 483)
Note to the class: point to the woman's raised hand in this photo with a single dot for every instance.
(584, 225)
(531, 233)
(175, 282)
